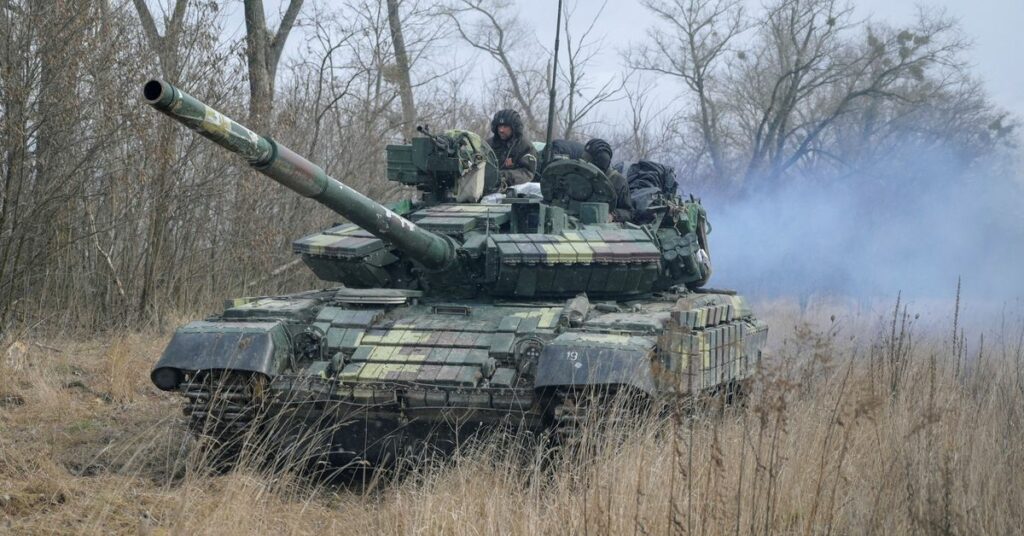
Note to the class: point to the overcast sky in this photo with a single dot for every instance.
(994, 26)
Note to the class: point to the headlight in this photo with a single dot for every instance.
(529, 349)
(167, 378)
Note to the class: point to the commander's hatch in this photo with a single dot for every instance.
(577, 186)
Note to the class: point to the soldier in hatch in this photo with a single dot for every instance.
(517, 159)
(599, 153)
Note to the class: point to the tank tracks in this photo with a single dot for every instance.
(581, 414)
(223, 409)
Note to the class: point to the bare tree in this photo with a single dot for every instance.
(805, 75)
(167, 49)
(17, 84)
(402, 70)
(779, 100)
(578, 99)
(355, 110)
(488, 26)
(263, 49)
(166, 45)
(693, 50)
(639, 140)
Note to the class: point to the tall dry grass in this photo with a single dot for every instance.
(859, 423)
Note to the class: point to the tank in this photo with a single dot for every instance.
(458, 311)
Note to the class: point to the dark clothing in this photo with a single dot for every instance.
(517, 158)
(646, 173)
(622, 207)
(648, 181)
(600, 153)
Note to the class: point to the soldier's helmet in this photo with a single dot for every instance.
(600, 153)
(507, 117)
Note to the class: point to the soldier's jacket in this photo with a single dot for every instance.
(517, 159)
(623, 208)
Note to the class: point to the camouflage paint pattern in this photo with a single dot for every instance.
(455, 316)
(300, 175)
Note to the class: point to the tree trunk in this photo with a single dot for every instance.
(260, 85)
(402, 76)
(159, 180)
(262, 51)
(59, 38)
(14, 131)
(709, 129)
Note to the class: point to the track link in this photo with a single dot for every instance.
(583, 414)
(223, 408)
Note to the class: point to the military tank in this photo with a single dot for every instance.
(455, 315)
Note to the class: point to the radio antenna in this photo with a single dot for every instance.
(551, 94)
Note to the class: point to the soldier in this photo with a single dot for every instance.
(599, 153)
(517, 159)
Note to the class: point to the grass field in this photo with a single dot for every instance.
(862, 421)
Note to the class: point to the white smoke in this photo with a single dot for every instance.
(858, 239)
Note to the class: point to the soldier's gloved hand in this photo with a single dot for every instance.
(528, 162)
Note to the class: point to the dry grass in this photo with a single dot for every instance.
(866, 423)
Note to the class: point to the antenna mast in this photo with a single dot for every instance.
(551, 94)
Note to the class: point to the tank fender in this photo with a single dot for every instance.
(580, 359)
(252, 346)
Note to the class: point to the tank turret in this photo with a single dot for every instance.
(448, 243)
(433, 251)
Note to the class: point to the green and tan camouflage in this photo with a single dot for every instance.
(299, 175)
(456, 313)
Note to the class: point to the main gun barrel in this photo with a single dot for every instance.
(300, 175)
